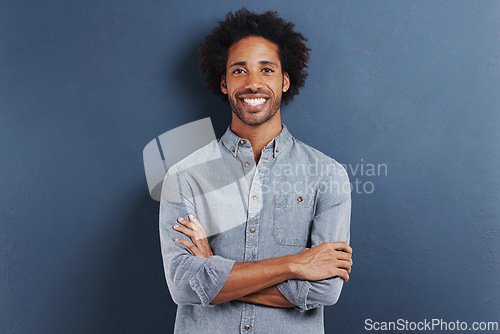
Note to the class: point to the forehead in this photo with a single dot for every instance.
(253, 49)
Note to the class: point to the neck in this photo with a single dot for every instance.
(258, 135)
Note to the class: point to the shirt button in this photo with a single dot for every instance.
(233, 149)
(254, 197)
(247, 327)
(252, 230)
(243, 141)
(277, 150)
(299, 199)
(247, 164)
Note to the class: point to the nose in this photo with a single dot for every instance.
(253, 81)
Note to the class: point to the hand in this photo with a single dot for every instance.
(194, 230)
(326, 260)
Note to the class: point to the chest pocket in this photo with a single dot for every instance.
(293, 214)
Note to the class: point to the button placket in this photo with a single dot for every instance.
(255, 204)
(248, 318)
(254, 208)
(246, 157)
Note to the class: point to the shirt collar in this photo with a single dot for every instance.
(278, 143)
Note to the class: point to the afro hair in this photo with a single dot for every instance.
(293, 52)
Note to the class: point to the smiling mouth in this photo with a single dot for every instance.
(254, 102)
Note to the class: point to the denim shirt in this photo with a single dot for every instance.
(295, 197)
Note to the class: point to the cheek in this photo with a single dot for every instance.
(277, 85)
(231, 87)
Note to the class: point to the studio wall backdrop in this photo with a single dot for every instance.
(405, 94)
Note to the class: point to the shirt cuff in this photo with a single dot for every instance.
(211, 277)
(296, 292)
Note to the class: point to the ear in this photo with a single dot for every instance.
(223, 86)
(286, 82)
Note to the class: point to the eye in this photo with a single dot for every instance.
(268, 70)
(238, 71)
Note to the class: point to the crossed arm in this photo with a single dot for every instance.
(255, 282)
(306, 280)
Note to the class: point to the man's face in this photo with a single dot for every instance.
(254, 82)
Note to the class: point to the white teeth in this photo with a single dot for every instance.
(254, 102)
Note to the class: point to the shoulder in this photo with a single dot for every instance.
(200, 157)
(311, 155)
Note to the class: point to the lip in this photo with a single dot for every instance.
(253, 96)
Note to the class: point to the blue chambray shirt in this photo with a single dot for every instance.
(295, 197)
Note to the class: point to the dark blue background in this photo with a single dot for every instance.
(85, 85)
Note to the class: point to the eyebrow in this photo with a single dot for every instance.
(262, 62)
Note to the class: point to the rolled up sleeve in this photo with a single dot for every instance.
(191, 280)
(331, 224)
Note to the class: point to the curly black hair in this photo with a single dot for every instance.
(293, 52)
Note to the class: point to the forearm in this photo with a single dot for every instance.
(247, 278)
(270, 296)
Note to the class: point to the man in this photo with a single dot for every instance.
(254, 227)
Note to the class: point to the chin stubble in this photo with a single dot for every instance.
(272, 111)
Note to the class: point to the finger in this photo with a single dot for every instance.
(183, 229)
(192, 247)
(194, 219)
(185, 222)
(344, 265)
(192, 226)
(196, 234)
(339, 255)
(192, 234)
(195, 238)
(200, 248)
(197, 226)
(343, 246)
(343, 274)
